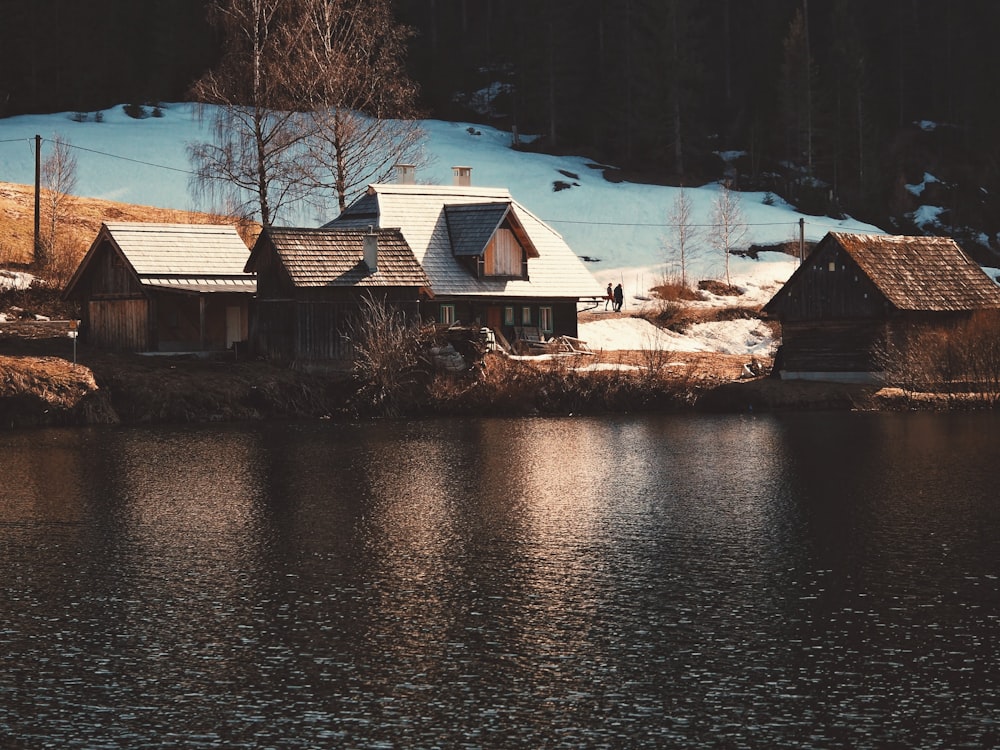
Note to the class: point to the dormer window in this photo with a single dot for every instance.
(489, 239)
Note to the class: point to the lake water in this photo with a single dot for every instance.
(794, 581)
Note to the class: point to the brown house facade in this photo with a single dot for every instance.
(855, 292)
(311, 283)
(164, 288)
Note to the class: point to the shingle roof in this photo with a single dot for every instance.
(921, 273)
(188, 249)
(422, 212)
(471, 225)
(335, 257)
(202, 258)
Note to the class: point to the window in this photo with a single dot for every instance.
(545, 319)
(508, 316)
(526, 316)
(447, 314)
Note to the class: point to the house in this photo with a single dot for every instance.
(311, 283)
(855, 292)
(163, 287)
(489, 260)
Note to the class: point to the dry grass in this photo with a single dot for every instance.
(17, 223)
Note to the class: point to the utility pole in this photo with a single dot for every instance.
(802, 240)
(37, 248)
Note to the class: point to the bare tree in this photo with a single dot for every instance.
(682, 236)
(306, 90)
(58, 178)
(361, 100)
(728, 225)
(257, 161)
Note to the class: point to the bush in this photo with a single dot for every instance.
(389, 360)
(135, 111)
(960, 358)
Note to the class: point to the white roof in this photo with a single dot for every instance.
(418, 211)
(181, 249)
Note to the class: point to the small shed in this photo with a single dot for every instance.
(310, 284)
(854, 292)
(164, 287)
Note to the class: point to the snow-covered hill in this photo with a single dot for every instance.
(618, 226)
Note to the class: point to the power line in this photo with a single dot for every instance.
(104, 153)
(551, 221)
(126, 158)
(642, 224)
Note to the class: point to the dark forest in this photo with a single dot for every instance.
(823, 97)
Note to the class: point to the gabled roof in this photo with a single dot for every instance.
(471, 226)
(929, 274)
(921, 273)
(335, 257)
(423, 212)
(184, 257)
(189, 249)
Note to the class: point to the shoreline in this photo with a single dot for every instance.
(45, 391)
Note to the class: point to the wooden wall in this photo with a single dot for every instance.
(120, 324)
(836, 346)
(831, 287)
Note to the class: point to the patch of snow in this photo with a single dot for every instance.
(918, 188)
(927, 125)
(743, 336)
(927, 216)
(601, 366)
(15, 279)
(730, 156)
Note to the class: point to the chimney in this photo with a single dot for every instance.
(462, 176)
(405, 174)
(371, 250)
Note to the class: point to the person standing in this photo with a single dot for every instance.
(609, 297)
(619, 298)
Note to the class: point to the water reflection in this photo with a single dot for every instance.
(794, 581)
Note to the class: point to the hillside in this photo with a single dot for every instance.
(87, 214)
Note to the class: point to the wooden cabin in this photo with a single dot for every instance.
(148, 287)
(490, 261)
(855, 291)
(310, 284)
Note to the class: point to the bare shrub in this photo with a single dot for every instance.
(964, 357)
(58, 253)
(674, 290)
(389, 359)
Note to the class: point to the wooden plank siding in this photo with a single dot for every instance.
(306, 329)
(832, 346)
(119, 324)
(833, 287)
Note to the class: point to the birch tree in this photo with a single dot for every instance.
(360, 99)
(729, 228)
(255, 162)
(682, 235)
(305, 90)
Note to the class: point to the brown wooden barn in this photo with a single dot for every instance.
(164, 287)
(853, 291)
(310, 283)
